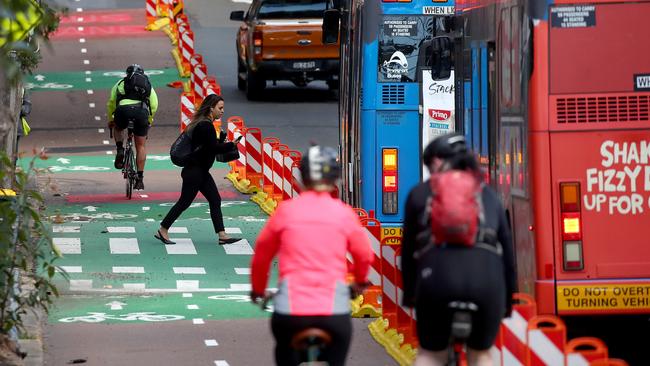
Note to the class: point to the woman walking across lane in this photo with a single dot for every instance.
(196, 174)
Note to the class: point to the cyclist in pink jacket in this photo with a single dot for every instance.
(311, 235)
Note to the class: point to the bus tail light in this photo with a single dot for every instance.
(571, 226)
(389, 181)
(257, 45)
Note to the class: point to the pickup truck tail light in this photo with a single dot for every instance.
(257, 45)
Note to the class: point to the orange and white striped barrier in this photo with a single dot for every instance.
(404, 314)
(210, 86)
(187, 109)
(289, 157)
(278, 171)
(267, 160)
(546, 340)
(254, 159)
(296, 181)
(187, 42)
(151, 11)
(582, 351)
(241, 146)
(200, 72)
(511, 346)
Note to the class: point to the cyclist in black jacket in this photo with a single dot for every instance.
(440, 275)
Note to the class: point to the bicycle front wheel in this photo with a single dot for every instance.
(129, 165)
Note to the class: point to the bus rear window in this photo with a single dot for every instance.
(292, 9)
(598, 48)
(400, 40)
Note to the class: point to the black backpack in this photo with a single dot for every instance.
(181, 151)
(136, 87)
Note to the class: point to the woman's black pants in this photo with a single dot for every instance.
(284, 327)
(195, 180)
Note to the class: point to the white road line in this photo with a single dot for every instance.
(192, 307)
(233, 230)
(80, 29)
(82, 40)
(109, 153)
(134, 286)
(83, 50)
(79, 10)
(150, 220)
(81, 285)
(243, 271)
(65, 229)
(177, 230)
(211, 343)
(146, 208)
(124, 245)
(86, 62)
(144, 195)
(80, 19)
(71, 269)
(185, 285)
(98, 118)
(88, 72)
(182, 246)
(91, 105)
(90, 92)
(241, 247)
(68, 245)
(198, 321)
(187, 295)
(106, 142)
(242, 1)
(240, 286)
(100, 130)
(121, 229)
(189, 270)
(128, 269)
(221, 363)
(90, 80)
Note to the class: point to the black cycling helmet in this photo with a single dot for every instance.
(134, 68)
(319, 165)
(444, 147)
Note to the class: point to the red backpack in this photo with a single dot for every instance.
(456, 207)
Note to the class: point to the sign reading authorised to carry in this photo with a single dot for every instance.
(603, 297)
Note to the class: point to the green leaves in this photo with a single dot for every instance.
(26, 268)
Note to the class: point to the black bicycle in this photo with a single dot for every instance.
(461, 328)
(129, 169)
(309, 343)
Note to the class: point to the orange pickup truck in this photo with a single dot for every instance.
(281, 40)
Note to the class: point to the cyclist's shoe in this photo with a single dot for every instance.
(119, 158)
(139, 184)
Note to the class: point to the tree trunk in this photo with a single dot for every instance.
(10, 104)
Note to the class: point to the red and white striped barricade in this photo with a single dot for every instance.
(372, 295)
(388, 287)
(195, 61)
(240, 164)
(187, 44)
(182, 19)
(609, 362)
(584, 350)
(234, 123)
(404, 314)
(511, 347)
(181, 27)
(254, 159)
(289, 157)
(151, 11)
(278, 171)
(210, 86)
(296, 183)
(200, 73)
(546, 341)
(267, 159)
(187, 109)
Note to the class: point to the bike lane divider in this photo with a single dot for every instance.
(99, 80)
(98, 163)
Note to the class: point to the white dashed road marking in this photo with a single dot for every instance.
(187, 295)
(65, 229)
(71, 269)
(81, 284)
(187, 285)
(91, 105)
(121, 229)
(124, 245)
(189, 270)
(198, 321)
(177, 230)
(221, 363)
(192, 307)
(82, 40)
(241, 247)
(211, 343)
(240, 286)
(134, 286)
(233, 230)
(243, 271)
(182, 246)
(68, 245)
(128, 269)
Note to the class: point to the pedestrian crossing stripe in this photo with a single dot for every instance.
(243, 271)
(183, 246)
(124, 245)
(186, 285)
(241, 247)
(68, 245)
(128, 269)
(189, 270)
(66, 229)
(120, 229)
(70, 269)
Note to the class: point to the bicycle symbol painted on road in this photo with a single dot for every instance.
(238, 298)
(142, 316)
(77, 168)
(98, 216)
(47, 86)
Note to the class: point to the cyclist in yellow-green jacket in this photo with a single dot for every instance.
(132, 98)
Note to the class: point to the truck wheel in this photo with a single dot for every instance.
(254, 85)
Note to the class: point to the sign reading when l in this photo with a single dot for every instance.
(642, 82)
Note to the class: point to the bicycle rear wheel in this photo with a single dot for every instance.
(129, 166)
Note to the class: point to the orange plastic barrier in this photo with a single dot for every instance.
(546, 340)
(609, 362)
(589, 348)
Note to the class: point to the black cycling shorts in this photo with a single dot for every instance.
(139, 113)
(459, 274)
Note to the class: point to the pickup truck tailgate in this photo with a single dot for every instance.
(295, 40)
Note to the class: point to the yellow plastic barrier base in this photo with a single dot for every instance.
(172, 36)
(157, 24)
(392, 341)
(187, 86)
(361, 310)
(259, 197)
(179, 64)
(269, 206)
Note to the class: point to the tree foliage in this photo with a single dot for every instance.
(26, 250)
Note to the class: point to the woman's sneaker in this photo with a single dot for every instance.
(119, 158)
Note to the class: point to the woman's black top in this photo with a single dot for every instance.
(205, 136)
(495, 219)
